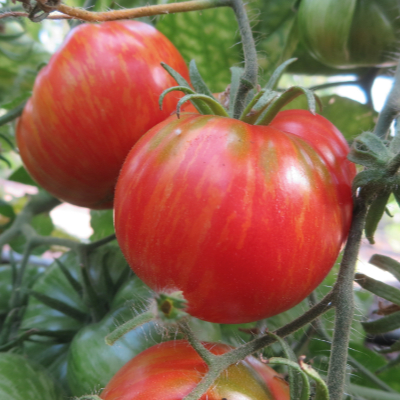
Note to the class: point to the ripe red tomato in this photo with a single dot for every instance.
(245, 220)
(97, 96)
(171, 370)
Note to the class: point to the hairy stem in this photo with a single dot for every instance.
(249, 78)
(345, 304)
(217, 364)
(391, 108)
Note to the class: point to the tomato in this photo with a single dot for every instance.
(350, 33)
(245, 220)
(97, 96)
(24, 380)
(75, 352)
(169, 371)
(92, 363)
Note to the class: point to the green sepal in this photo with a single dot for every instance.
(394, 145)
(10, 37)
(11, 115)
(386, 264)
(289, 95)
(379, 288)
(235, 83)
(295, 380)
(60, 336)
(125, 274)
(371, 181)
(109, 286)
(89, 397)
(73, 282)
(305, 394)
(8, 141)
(197, 81)
(321, 389)
(390, 364)
(384, 324)
(16, 57)
(394, 347)
(261, 104)
(198, 104)
(369, 150)
(215, 107)
(375, 214)
(171, 306)
(396, 193)
(2, 158)
(91, 299)
(273, 81)
(59, 306)
(184, 89)
(180, 80)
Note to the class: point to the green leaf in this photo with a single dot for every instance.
(101, 223)
(6, 209)
(210, 37)
(21, 175)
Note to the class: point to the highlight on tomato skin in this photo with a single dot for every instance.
(97, 96)
(245, 220)
(171, 370)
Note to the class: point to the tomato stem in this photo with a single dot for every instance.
(128, 326)
(248, 80)
(345, 303)
(390, 110)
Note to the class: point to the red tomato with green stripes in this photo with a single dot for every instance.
(171, 370)
(97, 96)
(245, 220)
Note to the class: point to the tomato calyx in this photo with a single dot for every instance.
(380, 178)
(262, 105)
(170, 307)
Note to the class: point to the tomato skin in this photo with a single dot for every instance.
(245, 220)
(169, 371)
(97, 96)
(330, 144)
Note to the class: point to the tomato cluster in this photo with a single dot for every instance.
(243, 220)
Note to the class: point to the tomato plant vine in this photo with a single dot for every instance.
(259, 108)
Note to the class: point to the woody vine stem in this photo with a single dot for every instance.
(340, 297)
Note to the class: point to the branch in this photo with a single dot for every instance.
(147, 11)
(345, 304)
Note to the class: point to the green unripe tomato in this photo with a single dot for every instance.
(23, 380)
(350, 33)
